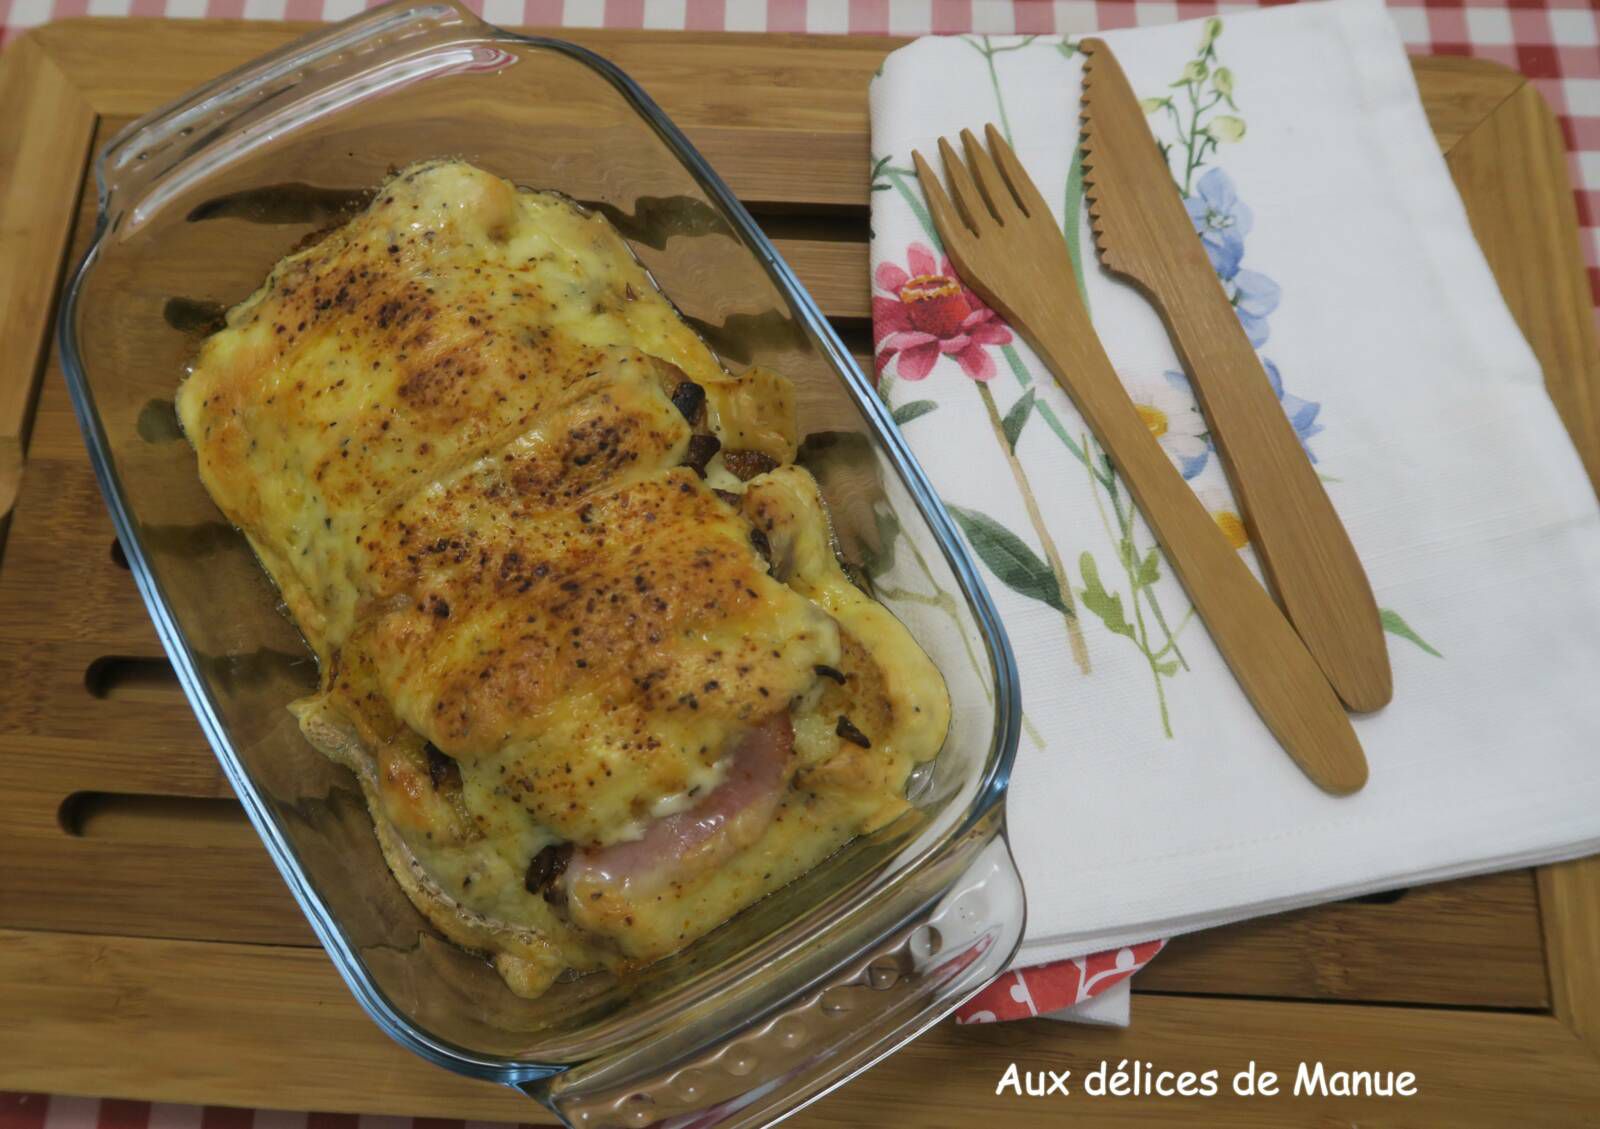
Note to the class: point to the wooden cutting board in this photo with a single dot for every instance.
(149, 950)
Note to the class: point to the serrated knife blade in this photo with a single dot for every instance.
(1142, 232)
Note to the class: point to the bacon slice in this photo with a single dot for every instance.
(678, 847)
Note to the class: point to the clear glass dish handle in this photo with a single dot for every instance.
(245, 105)
(878, 1002)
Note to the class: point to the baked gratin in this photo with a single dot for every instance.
(582, 633)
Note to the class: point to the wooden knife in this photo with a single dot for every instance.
(1144, 234)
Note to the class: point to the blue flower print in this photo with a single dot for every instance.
(1221, 220)
(1254, 296)
(1302, 413)
(1302, 417)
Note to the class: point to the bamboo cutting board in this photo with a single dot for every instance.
(149, 950)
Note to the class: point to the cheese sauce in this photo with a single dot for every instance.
(583, 636)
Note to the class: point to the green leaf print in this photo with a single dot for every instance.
(879, 184)
(1009, 558)
(1106, 605)
(1394, 625)
(1150, 568)
(988, 50)
(1071, 219)
(1017, 417)
(905, 413)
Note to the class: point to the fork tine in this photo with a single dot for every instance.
(952, 228)
(996, 193)
(969, 201)
(1022, 186)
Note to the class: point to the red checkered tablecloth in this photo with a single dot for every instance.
(1556, 43)
(41, 1111)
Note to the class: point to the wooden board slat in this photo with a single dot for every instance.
(164, 1019)
(53, 131)
(1426, 946)
(782, 117)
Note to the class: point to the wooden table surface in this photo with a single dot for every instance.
(148, 949)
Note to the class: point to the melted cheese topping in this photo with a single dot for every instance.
(449, 431)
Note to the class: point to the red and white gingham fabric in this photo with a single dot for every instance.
(1024, 993)
(42, 1111)
(1556, 43)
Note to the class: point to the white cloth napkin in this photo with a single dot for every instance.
(1111, 1008)
(1148, 798)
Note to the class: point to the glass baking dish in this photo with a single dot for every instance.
(802, 990)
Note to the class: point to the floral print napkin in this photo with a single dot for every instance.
(1148, 798)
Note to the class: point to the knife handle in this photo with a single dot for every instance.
(1271, 663)
(1301, 543)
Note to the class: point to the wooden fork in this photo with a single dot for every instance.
(1000, 235)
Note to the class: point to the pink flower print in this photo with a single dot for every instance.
(928, 313)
